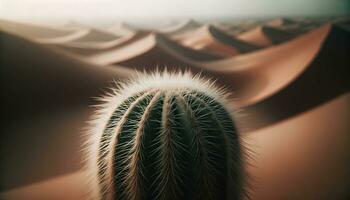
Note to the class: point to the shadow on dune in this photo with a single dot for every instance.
(326, 77)
(151, 52)
(180, 28)
(211, 39)
(241, 46)
(96, 48)
(96, 36)
(277, 35)
(33, 31)
(45, 104)
(43, 34)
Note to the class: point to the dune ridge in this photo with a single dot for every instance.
(211, 39)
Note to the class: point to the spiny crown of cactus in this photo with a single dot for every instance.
(165, 136)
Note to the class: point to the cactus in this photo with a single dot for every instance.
(165, 136)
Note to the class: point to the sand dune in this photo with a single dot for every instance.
(304, 157)
(282, 21)
(241, 46)
(253, 77)
(46, 98)
(237, 27)
(149, 52)
(180, 28)
(268, 83)
(72, 24)
(96, 35)
(324, 79)
(91, 41)
(265, 36)
(277, 35)
(96, 39)
(88, 49)
(260, 74)
(42, 34)
(291, 26)
(130, 27)
(255, 36)
(242, 26)
(213, 40)
(259, 79)
(120, 29)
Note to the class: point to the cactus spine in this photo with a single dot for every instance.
(165, 136)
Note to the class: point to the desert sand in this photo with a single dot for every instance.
(211, 39)
(288, 78)
(49, 93)
(149, 52)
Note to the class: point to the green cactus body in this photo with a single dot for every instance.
(166, 136)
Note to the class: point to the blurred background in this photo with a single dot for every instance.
(285, 62)
(181, 9)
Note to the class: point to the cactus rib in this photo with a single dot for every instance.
(165, 136)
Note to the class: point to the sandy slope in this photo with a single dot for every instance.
(149, 52)
(324, 79)
(213, 40)
(259, 74)
(94, 48)
(255, 36)
(304, 157)
(180, 28)
(44, 107)
(42, 34)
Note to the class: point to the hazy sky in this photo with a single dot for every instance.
(169, 8)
